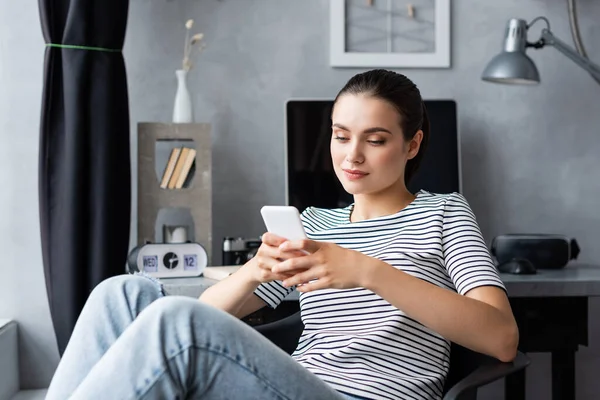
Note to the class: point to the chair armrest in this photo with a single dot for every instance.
(285, 333)
(486, 374)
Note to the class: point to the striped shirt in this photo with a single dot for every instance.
(358, 342)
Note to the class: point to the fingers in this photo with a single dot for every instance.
(286, 255)
(316, 285)
(276, 253)
(272, 240)
(294, 264)
(302, 278)
(269, 251)
(265, 264)
(304, 245)
(270, 254)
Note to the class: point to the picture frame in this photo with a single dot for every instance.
(439, 57)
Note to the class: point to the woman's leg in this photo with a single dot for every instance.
(180, 348)
(110, 309)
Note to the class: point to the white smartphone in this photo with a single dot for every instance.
(283, 221)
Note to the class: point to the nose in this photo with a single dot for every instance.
(354, 154)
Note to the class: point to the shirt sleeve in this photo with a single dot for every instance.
(274, 292)
(466, 256)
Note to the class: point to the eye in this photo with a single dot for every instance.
(341, 138)
(376, 142)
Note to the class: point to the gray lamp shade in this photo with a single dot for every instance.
(511, 67)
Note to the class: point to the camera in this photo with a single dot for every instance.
(239, 251)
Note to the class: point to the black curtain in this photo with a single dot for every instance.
(84, 161)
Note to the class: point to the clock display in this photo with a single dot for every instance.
(150, 263)
(190, 262)
(170, 260)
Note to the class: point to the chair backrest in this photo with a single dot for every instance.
(286, 332)
(462, 362)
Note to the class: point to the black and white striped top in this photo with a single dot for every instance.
(358, 342)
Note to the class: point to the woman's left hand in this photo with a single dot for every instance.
(331, 265)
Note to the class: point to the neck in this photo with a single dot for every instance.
(373, 205)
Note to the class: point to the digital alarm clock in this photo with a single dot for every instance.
(168, 260)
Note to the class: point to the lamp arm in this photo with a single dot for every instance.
(548, 38)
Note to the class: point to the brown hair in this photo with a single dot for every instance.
(404, 95)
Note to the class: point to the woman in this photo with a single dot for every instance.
(387, 283)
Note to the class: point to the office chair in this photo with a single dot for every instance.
(468, 370)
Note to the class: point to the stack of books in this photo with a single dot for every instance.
(178, 168)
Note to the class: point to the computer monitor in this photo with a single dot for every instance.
(311, 180)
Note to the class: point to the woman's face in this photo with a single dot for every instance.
(368, 149)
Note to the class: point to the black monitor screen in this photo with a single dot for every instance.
(311, 180)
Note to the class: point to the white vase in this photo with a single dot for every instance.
(182, 110)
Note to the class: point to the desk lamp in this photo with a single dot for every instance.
(513, 66)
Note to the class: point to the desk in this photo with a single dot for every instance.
(551, 309)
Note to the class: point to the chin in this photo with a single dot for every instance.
(355, 188)
(365, 187)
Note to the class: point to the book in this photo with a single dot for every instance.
(185, 170)
(178, 167)
(219, 273)
(170, 167)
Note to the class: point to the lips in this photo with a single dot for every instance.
(354, 174)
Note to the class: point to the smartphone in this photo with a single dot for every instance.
(283, 221)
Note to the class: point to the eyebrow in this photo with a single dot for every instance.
(370, 130)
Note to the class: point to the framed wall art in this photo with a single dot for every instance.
(390, 33)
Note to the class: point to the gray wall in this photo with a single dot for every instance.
(22, 287)
(530, 155)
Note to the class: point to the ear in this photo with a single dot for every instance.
(415, 144)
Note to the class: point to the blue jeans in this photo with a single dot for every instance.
(133, 342)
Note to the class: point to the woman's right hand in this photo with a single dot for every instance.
(267, 256)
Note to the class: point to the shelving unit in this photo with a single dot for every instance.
(190, 206)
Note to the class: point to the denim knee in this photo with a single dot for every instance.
(177, 305)
(186, 309)
(127, 284)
